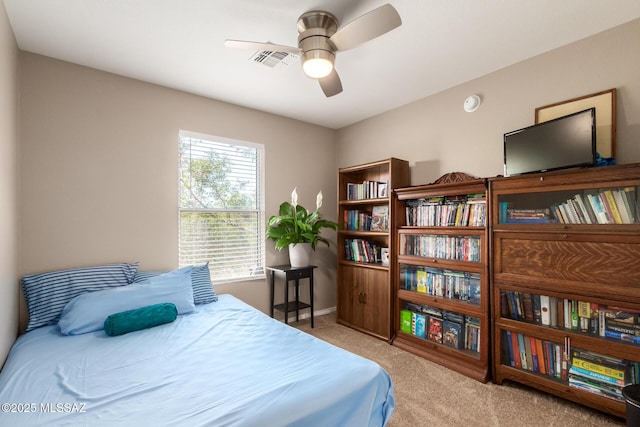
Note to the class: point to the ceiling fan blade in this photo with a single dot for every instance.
(331, 84)
(242, 44)
(368, 26)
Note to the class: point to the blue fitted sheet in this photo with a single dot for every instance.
(226, 364)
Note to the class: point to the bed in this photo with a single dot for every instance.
(222, 364)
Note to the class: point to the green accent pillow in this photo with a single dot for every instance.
(140, 318)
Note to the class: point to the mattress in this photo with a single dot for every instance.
(226, 364)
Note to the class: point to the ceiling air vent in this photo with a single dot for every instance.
(273, 59)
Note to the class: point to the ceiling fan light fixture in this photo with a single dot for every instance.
(317, 63)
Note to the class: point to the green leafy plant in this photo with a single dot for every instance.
(295, 224)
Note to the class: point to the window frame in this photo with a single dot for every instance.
(260, 210)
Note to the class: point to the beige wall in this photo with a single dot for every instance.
(8, 186)
(437, 136)
(99, 151)
(99, 170)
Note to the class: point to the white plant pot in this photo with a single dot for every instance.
(300, 254)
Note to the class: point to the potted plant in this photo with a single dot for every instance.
(298, 229)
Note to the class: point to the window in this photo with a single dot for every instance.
(221, 206)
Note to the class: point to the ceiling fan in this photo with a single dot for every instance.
(320, 39)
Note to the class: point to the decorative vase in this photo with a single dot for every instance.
(300, 254)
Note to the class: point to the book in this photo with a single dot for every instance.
(523, 351)
(584, 315)
(513, 306)
(405, 320)
(593, 321)
(542, 364)
(420, 322)
(586, 210)
(545, 314)
(451, 334)
(527, 305)
(622, 327)
(618, 196)
(598, 209)
(421, 281)
(560, 312)
(537, 313)
(515, 349)
(631, 201)
(602, 359)
(577, 213)
(532, 347)
(622, 336)
(553, 311)
(610, 203)
(574, 314)
(434, 332)
(529, 354)
(380, 218)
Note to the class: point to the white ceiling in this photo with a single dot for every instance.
(179, 44)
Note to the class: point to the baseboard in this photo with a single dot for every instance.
(307, 315)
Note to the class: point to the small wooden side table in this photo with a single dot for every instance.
(289, 274)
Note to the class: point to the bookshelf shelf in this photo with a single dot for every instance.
(571, 285)
(363, 282)
(441, 274)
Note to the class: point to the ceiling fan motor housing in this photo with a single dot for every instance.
(314, 30)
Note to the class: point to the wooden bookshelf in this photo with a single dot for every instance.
(441, 273)
(363, 282)
(561, 275)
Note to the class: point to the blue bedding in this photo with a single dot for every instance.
(226, 364)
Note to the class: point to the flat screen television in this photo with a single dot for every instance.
(565, 142)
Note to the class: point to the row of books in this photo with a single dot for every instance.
(441, 211)
(364, 251)
(602, 375)
(454, 330)
(508, 215)
(586, 370)
(376, 220)
(610, 322)
(612, 206)
(437, 282)
(535, 355)
(367, 190)
(456, 248)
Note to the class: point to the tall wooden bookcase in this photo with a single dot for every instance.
(363, 280)
(566, 282)
(441, 277)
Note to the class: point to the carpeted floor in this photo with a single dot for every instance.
(428, 394)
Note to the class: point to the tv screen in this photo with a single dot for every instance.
(565, 142)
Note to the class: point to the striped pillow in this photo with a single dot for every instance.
(203, 292)
(47, 293)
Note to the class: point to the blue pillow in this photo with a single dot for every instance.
(140, 318)
(203, 291)
(47, 293)
(87, 312)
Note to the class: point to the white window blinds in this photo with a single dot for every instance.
(221, 206)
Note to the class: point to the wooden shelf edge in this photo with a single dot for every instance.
(355, 202)
(561, 389)
(465, 365)
(462, 307)
(376, 266)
